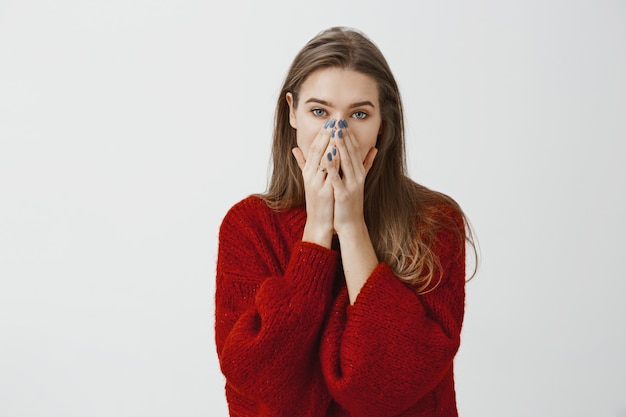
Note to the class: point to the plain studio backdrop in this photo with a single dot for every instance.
(128, 128)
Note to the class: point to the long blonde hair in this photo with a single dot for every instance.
(401, 215)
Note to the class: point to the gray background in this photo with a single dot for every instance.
(128, 128)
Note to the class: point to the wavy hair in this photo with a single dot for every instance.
(402, 216)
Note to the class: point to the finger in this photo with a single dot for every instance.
(369, 159)
(319, 145)
(320, 173)
(328, 162)
(334, 163)
(332, 159)
(299, 156)
(341, 137)
(351, 147)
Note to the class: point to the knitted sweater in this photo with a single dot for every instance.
(290, 344)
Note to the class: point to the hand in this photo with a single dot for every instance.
(358, 256)
(349, 187)
(318, 189)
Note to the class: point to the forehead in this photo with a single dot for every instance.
(340, 86)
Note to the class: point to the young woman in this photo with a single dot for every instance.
(340, 291)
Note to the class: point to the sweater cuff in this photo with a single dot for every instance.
(384, 291)
(378, 282)
(312, 267)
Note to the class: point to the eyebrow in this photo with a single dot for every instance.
(326, 103)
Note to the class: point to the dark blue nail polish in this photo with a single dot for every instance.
(340, 133)
(331, 123)
(343, 123)
(332, 134)
(329, 156)
(334, 151)
(326, 124)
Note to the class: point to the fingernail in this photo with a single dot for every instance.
(326, 124)
(331, 123)
(343, 123)
(340, 133)
(334, 151)
(329, 156)
(332, 134)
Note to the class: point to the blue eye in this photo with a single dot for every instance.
(359, 115)
(318, 112)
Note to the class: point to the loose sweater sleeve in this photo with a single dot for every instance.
(389, 351)
(268, 316)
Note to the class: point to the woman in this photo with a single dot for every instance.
(340, 291)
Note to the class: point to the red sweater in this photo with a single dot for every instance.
(290, 344)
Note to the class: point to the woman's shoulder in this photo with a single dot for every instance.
(251, 202)
(249, 207)
(242, 221)
(255, 211)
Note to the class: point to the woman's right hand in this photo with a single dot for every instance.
(317, 188)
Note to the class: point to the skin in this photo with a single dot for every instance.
(334, 165)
